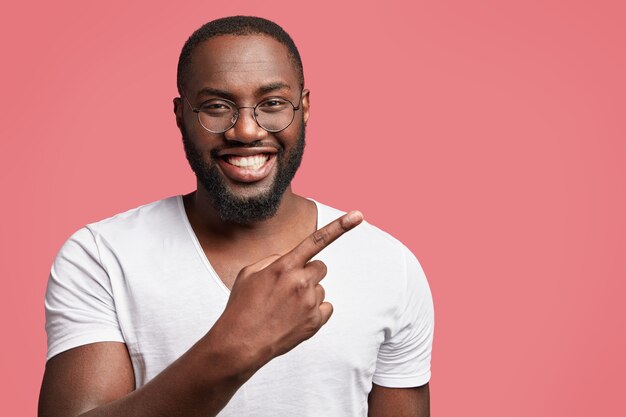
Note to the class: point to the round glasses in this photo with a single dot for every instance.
(272, 114)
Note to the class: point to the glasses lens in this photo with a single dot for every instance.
(274, 114)
(217, 116)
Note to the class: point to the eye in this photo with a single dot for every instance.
(274, 104)
(216, 107)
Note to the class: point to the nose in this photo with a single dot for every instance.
(245, 129)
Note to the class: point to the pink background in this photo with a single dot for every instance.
(488, 136)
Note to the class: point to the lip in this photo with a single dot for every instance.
(239, 174)
(246, 151)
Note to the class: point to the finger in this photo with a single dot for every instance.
(261, 264)
(323, 237)
(317, 270)
(320, 293)
(326, 309)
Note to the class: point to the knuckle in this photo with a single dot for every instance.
(321, 292)
(284, 264)
(245, 271)
(305, 292)
(318, 268)
(320, 238)
(331, 309)
(302, 284)
(323, 268)
(310, 303)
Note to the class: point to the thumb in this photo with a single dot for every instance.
(262, 264)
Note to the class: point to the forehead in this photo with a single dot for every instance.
(240, 64)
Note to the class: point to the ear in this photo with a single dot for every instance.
(306, 103)
(178, 111)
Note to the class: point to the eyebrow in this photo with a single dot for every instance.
(209, 91)
(264, 89)
(268, 88)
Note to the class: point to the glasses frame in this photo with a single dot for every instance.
(197, 111)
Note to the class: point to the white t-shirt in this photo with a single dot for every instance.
(142, 278)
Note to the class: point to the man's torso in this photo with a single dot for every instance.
(167, 296)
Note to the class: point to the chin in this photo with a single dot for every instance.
(248, 190)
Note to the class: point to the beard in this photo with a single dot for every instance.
(245, 210)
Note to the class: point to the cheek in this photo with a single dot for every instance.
(289, 137)
(194, 130)
(192, 149)
(199, 141)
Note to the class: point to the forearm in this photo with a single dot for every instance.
(199, 383)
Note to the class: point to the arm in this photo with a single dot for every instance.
(399, 402)
(80, 379)
(99, 377)
(404, 358)
(274, 305)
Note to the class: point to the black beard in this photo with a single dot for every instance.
(233, 209)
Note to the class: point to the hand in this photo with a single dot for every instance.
(278, 302)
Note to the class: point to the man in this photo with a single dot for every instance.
(211, 302)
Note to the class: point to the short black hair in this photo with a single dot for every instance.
(236, 25)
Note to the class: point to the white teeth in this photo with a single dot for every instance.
(248, 162)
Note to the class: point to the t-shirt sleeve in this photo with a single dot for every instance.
(79, 301)
(404, 357)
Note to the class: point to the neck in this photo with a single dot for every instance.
(205, 219)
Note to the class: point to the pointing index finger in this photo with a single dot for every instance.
(318, 240)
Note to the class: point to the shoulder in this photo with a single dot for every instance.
(368, 251)
(376, 267)
(155, 214)
(148, 224)
(366, 236)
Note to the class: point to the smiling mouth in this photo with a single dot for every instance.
(252, 162)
